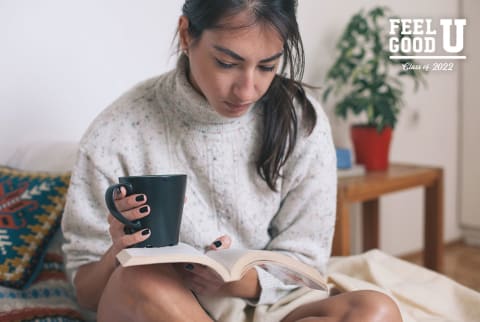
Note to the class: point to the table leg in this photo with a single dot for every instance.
(341, 238)
(433, 252)
(370, 223)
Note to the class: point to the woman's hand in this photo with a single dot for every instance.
(132, 207)
(201, 279)
(204, 281)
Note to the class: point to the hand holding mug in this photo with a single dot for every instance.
(159, 219)
(133, 207)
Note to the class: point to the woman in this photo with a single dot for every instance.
(261, 165)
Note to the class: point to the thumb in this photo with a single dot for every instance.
(222, 242)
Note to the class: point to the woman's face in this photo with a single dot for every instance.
(233, 68)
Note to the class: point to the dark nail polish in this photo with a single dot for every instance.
(140, 198)
(189, 267)
(145, 232)
(144, 209)
(217, 243)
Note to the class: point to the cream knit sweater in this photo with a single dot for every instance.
(164, 126)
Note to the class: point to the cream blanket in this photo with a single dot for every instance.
(422, 295)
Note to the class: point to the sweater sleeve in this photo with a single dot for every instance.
(84, 223)
(304, 225)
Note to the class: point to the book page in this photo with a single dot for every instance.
(180, 253)
(230, 258)
(285, 268)
(290, 277)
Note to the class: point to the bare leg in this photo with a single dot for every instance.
(355, 306)
(148, 293)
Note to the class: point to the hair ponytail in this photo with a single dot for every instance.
(280, 126)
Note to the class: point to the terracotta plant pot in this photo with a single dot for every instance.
(371, 147)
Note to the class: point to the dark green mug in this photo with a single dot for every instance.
(165, 197)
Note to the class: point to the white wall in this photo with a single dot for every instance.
(62, 62)
(470, 133)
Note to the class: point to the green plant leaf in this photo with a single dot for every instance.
(362, 78)
(326, 93)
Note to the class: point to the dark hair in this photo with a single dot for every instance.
(280, 117)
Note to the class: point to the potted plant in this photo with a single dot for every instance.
(367, 82)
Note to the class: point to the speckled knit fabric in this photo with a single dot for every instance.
(164, 126)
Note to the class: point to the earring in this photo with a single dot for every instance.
(185, 52)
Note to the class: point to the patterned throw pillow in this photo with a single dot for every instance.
(31, 206)
(50, 297)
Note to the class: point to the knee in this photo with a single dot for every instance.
(133, 292)
(149, 283)
(143, 286)
(376, 305)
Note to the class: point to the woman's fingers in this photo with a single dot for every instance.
(222, 242)
(131, 239)
(132, 207)
(201, 279)
(201, 272)
(126, 240)
(136, 213)
(130, 202)
(117, 228)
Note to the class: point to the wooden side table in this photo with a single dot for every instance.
(371, 186)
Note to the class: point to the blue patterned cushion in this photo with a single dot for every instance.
(31, 205)
(49, 298)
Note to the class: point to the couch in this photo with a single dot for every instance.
(33, 284)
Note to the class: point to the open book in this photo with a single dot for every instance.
(230, 264)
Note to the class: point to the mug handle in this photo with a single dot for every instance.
(109, 200)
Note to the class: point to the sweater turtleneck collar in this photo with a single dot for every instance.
(195, 109)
